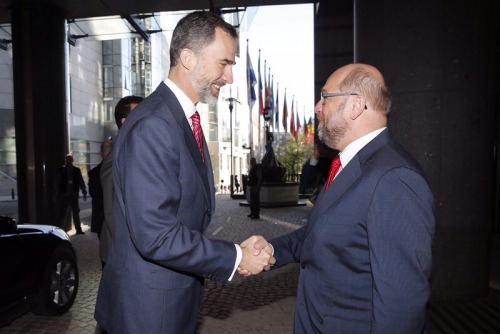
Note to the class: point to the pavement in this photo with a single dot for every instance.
(262, 303)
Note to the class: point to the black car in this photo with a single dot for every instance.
(38, 270)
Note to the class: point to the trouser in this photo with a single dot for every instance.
(69, 202)
(254, 201)
(97, 215)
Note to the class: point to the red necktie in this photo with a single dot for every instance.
(334, 168)
(198, 133)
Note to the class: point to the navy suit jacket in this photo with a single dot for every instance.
(365, 252)
(164, 200)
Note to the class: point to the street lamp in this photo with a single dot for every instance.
(231, 101)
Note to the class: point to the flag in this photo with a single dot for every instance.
(276, 108)
(266, 92)
(292, 120)
(297, 125)
(285, 114)
(311, 126)
(306, 127)
(251, 81)
(305, 124)
(261, 103)
(271, 100)
(310, 129)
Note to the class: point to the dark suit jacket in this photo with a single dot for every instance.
(365, 252)
(107, 193)
(95, 191)
(164, 200)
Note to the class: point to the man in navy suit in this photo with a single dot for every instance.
(165, 197)
(365, 253)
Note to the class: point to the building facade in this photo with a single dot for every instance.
(100, 71)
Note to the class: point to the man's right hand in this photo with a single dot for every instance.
(257, 256)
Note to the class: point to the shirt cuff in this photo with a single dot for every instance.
(239, 255)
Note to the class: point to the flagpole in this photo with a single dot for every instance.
(276, 116)
(260, 103)
(249, 98)
(266, 100)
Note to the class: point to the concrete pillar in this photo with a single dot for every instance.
(439, 61)
(39, 37)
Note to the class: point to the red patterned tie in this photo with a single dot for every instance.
(198, 133)
(334, 168)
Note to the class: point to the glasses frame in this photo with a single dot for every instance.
(328, 94)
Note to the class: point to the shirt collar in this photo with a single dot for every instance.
(353, 148)
(186, 103)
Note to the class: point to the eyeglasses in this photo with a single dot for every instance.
(326, 94)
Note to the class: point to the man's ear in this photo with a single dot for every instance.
(188, 59)
(358, 106)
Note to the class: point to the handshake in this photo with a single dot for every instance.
(257, 256)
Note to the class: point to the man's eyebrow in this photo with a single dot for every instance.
(229, 61)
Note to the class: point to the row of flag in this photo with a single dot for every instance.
(269, 105)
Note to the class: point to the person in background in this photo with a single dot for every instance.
(315, 171)
(68, 186)
(366, 251)
(255, 179)
(122, 109)
(165, 194)
(237, 183)
(95, 190)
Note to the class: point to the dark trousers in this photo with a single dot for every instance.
(69, 202)
(97, 215)
(254, 201)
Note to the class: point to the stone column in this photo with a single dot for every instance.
(439, 61)
(39, 41)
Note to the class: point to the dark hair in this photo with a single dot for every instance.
(122, 108)
(195, 31)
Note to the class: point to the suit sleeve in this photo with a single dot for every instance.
(400, 227)
(81, 183)
(107, 191)
(287, 248)
(166, 209)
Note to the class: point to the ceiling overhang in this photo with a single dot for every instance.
(98, 8)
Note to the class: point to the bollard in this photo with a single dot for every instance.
(13, 195)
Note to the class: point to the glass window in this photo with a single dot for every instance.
(108, 81)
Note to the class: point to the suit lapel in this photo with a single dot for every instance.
(339, 186)
(346, 178)
(178, 113)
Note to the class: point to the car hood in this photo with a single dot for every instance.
(46, 229)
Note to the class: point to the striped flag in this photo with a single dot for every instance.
(251, 81)
(261, 103)
(292, 120)
(285, 114)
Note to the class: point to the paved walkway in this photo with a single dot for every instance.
(258, 304)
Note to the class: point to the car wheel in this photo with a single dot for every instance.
(60, 284)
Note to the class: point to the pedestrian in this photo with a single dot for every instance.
(122, 109)
(237, 183)
(365, 252)
(69, 182)
(95, 190)
(164, 194)
(255, 178)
